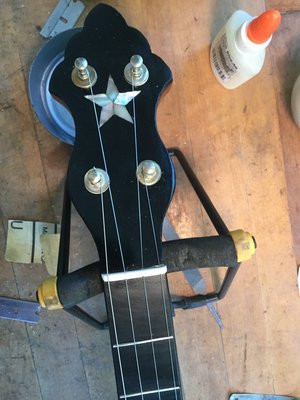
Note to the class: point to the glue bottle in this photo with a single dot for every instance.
(295, 102)
(238, 51)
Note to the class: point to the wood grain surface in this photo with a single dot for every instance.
(243, 146)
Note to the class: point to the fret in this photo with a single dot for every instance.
(143, 342)
(172, 389)
(142, 338)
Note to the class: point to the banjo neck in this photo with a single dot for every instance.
(142, 335)
(121, 180)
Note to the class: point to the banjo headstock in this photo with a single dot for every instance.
(120, 176)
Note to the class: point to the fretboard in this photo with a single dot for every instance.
(142, 338)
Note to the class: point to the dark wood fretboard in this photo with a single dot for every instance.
(142, 337)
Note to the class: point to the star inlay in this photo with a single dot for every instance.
(113, 102)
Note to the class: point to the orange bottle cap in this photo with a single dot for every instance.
(261, 28)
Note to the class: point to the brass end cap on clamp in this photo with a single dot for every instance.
(47, 294)
(244, 243)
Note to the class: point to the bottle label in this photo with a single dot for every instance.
(222, 59)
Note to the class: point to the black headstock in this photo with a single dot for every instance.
(127, 134)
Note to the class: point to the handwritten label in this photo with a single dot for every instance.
(23, 243)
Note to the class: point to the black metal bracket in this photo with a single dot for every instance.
(63, 268)
(221, 228)
(178, 255)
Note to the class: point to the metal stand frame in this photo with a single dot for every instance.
(63, 263)
(221, 228)
(185, 302)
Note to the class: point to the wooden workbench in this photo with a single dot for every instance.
(245, 149)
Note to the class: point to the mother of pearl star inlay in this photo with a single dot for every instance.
(113, 102)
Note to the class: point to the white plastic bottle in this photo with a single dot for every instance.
(295, 102)
(238, 51)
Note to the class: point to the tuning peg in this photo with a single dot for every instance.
(96, 180)
(136, 73)
(148, 172)
(83, 75)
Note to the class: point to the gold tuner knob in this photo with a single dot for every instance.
(136, 73)
(83, 75)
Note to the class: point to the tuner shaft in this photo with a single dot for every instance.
(148, 172)
(83, 75)
(96, 180)
(136, 73)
